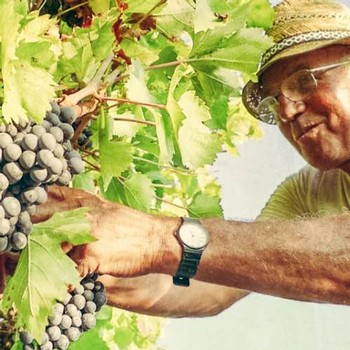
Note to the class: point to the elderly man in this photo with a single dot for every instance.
(303, 87)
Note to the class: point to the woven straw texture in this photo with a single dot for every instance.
(301, 26)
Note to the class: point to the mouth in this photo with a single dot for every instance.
(305, 130)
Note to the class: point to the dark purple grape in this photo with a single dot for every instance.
(68, 115)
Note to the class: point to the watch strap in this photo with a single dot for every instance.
(188, 267)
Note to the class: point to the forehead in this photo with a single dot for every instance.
(283, 68)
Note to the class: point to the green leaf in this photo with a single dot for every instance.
(141, 6)
(176, 19)
(28, 91)
(89, 340)
(99, 6)
(114, 191)
(140, 50)
(124, 336)
(165, 137)
(43, 271)
(123, 119)
(261, 14)
(204, 206)
(115, 156)
(139, 192)
(17, 346)
(101, 34)
(78, 58)
(137, 89)
(176, 113)
(204, 17)
(198, 144)
(84, 181)
(242, 52)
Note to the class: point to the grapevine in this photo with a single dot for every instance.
(130, 100)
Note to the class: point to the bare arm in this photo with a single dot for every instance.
(156, 295)
(297, 259)
(301, 259)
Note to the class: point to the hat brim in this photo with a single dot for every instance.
(300, 49)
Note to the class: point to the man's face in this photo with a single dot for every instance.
(319, 125)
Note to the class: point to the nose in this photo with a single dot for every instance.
(288, 109)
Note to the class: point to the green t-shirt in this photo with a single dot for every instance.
(309, 193)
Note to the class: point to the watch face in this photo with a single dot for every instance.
(193, 234)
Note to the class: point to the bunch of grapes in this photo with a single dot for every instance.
(33, 157)
(71, 317)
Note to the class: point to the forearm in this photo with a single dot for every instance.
(156, 295)
(301, 259)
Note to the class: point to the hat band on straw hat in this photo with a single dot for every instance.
(302, 38)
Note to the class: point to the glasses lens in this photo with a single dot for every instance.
(267, 110)
(299, 85)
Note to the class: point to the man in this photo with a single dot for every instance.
(304, 87)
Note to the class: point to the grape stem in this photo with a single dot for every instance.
(160, 3)
(92, 87)
(124, 100)
(72, 8)
(95, 167)
(133, 120)
(168, 202)
(175, 170)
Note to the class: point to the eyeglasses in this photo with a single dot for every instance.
(296, 87)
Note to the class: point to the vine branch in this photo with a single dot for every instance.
(133, 120)
(124, 100)
(92, 87)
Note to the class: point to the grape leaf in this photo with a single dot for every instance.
(84, 181)
(99, 6)
(261, 14)
(198, 144)
(176, 18)
(141, 50)
(141, 6)
(43, 271)
(139, 192)
(27, 89)
(203, 205)
(78, 58)
(115, 156)
(90, 340)
(165, 137)
(203, 18)
(173, 108)
(242, 52)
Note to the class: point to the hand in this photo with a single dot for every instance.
(129, 243)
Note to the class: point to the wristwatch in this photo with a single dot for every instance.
(193, 238)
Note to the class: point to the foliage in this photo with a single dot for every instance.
(158, 83)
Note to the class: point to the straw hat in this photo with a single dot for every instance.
(301, 26)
